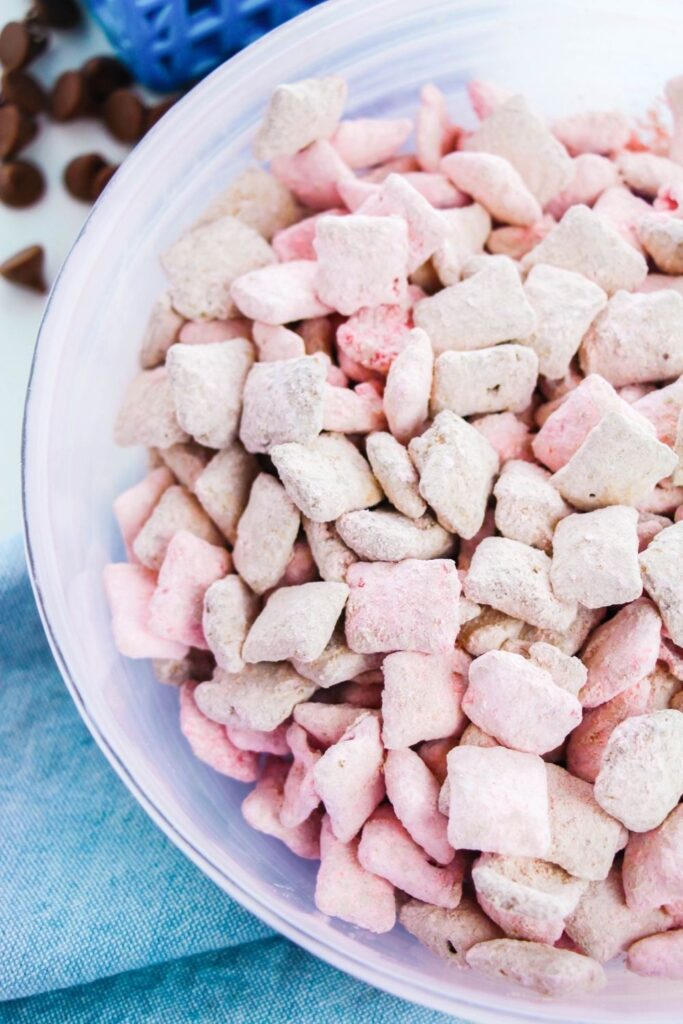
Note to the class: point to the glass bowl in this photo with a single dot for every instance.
(564, 56)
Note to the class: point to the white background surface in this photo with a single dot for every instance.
(53, 223)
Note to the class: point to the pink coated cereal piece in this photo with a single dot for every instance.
(587, 743)
(189, 568)
(672, 656)
(649, 525)
(353, 369)
(485, 96)
(652, 869)
(313, 175)
(344, 889)
(147, 415)
(409, 383)
(674, 97)
(333, 375)
(275, 342)
(274, 742)
(318, 334)
(362, 261)
(448, 933)
(421, 699)
(401, 164)
(595, 557)
(186, 461)
(517, 242)
(566, 429)
(603, 925)
(426, 226)
(584, 839)
(327, 723)
(592, 176)
(365, 141)
(663, 499)
(261, 809)
(658, 956)
(434, 754)
(534, 965)
(621, 652)
(296, 241)
(624, 211)
(374, 336)
(498, 802)
(595, 131)
(353, 411)
(493, 182)
(414, 794)
(670, 199)
(660, 565)
(405, 606)
(528, 898)
(296, 622)
(348, 777)
(301, 567)
(300, 798)
(645, 173)
(298, 114)
(210, 743)
(176, 510)
(134, 506)
(208, 332)
(661, 236)
(518, 703)
(224, 485)
(266, 534)
(161, 331)
(436, 189)
(280, 293)
(509, 436)
(662, 407)
(354, 192)
(386, 849)
(129, 590)
(434, 133)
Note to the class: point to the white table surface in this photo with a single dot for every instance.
(53, 223)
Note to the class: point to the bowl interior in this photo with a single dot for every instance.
(563, 56)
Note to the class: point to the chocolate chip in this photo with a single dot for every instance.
(104, 75)
(56, 13)
(69, 98)
(16, 130)
(20, 43)
(101, 180)
(80, 174)
(23, 89)
(124, 116)
(156, 112)
(26, 268)
(21, 183)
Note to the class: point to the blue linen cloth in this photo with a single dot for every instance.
(102, 919)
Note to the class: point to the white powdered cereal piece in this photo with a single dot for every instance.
(298, 114)
(594, 131)
(678, 449)
(296, 622)
(528, 507)
(386, 536)
(330, 553)
(348, 777)
(448, 933)
(161, 331)
(456, 466)
(204, 262)
(641, 775)
(515, 578)
(545, 969)
(176, 510)
(660, 565)
(571, 639)
(258, 199)
(408, 386)
(623, 210)
(514, 132)
(280, 293)
(498, 802)
(463, 317)
(147, 414)
(592, 176)
(618, 464)
(565, 304)
(266, 533)
(186, 461)
(362, 261)
(492, 181)
(326, 477)
(468, 228)
(568, 672)
(488, 630)
(636, 339)
(337, 664)
(229, 610)
(584, 839)
(662, 239)
(496, 379)
(396, 474)
(595, 558)
(223, 487)
(207, 383)
(426, 226)
(283, 402)
(259, 697)
(587, 244)
(645, 173)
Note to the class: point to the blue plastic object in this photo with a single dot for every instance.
(168, 43)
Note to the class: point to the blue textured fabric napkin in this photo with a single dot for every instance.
(102, 919)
